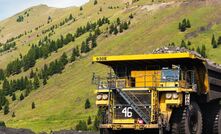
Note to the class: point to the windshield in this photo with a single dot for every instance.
(170, 75)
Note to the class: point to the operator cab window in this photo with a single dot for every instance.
(168, 75)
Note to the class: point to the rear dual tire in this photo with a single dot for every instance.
(212, 119)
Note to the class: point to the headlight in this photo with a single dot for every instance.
(168, 95)
(105, 97)
(99, 97)
(175, 96)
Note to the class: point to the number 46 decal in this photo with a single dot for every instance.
(126, 111)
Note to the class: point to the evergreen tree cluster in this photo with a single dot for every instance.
(184, 25)
(118, 27)
(24, 83)
(91, 26)
(7, 46)
(3, 100)
(42, 50)
(53, 27)
(185, 44)
(47, 46)
(202, 51)
(98, 118)
(90, 42)
(54, 67)
(215, 43)
(20, 18)
(75, 54)
(82, 125)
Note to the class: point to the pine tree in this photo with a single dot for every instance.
(87, 104)
(44, 80)
(219, 40)
(27, 92)
(13, 97)
(213, 42)
(82, 125)
(118, 21)
(131, 16)
(84, 47)
(111, 29)
(183, 44)
(121, 28)
(94, 42)
(13, 114)
(95, 2)
(70, 17)
(115, 30)
(189, 43)
(89, 121)
(6, 109)
(198, 50)
(96, 123)
(77, 51)
(6, 87)
(73, 55)
(125, 25)
(203, 51)
(64, 59)
(180, 26)
(36, 83)
(184, 22)
(81, 8)
(33, 105)
(2, 74)
(188, 25)
(32, 74)
(22, 97)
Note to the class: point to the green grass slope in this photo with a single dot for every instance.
(60, 103)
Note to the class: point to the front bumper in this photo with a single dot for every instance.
(130, 126)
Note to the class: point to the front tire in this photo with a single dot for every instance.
(187, 120)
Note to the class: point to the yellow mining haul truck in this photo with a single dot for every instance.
(172, 92)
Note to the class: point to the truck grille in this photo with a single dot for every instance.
(123, 110)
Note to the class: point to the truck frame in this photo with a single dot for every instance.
(176, 93)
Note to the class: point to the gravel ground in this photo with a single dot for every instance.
(73, 132)
(4, 130)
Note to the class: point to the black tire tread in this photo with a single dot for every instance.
(179, 125)
(211, 119)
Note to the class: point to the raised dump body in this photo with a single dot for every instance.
(153, 91)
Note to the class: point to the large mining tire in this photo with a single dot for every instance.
(187, 120)
(106, 131)
(212, 119)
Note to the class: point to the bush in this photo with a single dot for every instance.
(89, 121)
(13, 114)
(81, 126)
(6, 109)
(2, 124)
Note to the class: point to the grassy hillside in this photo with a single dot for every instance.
(60, 103)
